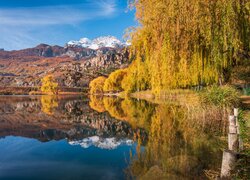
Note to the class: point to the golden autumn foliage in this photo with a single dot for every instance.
(49, 103)
(114, 81)
(182, 43)
(49, 85)
(96, 85)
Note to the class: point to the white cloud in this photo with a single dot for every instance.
(18, 23)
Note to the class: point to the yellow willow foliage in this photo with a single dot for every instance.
(96, 85)
(96, 103)
(183, 43)
(49, 103)
(49, 85)
(114, 81)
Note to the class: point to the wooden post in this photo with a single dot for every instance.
(233, 143)
(228, 162)
(236, 114)
(232, 129)
(232, 121)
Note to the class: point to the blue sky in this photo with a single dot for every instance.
(26, 23)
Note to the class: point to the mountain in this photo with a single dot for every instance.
(100, 42)
(87, 58)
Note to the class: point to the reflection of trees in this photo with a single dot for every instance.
(137, 113)
(179, 143)
(96, 103)
(113, 106)
(49, 103)
(176, 148)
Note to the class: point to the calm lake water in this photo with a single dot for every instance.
(72, 137)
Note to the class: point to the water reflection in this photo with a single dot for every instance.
(170, 141)
(184, 140)
(53, 118)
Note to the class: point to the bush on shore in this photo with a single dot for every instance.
(96, 85)
(222, 96)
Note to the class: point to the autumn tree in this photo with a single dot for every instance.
(114, 81)
(181, 43)
(96, 85)
(49, 85)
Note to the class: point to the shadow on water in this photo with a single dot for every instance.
(171, 141)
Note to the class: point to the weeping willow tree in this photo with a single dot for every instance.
(183, 43)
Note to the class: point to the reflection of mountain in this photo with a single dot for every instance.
(71, 119)
(103, 143)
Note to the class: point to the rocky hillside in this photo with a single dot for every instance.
(73, 65)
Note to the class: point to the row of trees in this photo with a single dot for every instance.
(183, 43)
(114, 83)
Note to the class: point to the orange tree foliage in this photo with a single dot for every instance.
(96, 85)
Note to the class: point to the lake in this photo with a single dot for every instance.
(75, 137)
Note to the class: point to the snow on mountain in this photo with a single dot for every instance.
(103, 41)
(103, 143)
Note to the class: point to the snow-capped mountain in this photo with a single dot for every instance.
(103, 41)
(103, 143)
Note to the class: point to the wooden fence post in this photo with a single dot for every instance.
(229, 159)
(236, 114)
(234, 144)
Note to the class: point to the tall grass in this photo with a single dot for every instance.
(221, 96)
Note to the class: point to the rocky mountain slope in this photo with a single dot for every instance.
(86, 58)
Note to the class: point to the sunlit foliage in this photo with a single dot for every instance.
(49, 103)
(114, 81)
(96, 85)
(225, 96)
(182, 43)
(49, 85)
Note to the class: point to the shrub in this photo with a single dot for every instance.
(96, 85)
(224, 96)
(114, 81)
